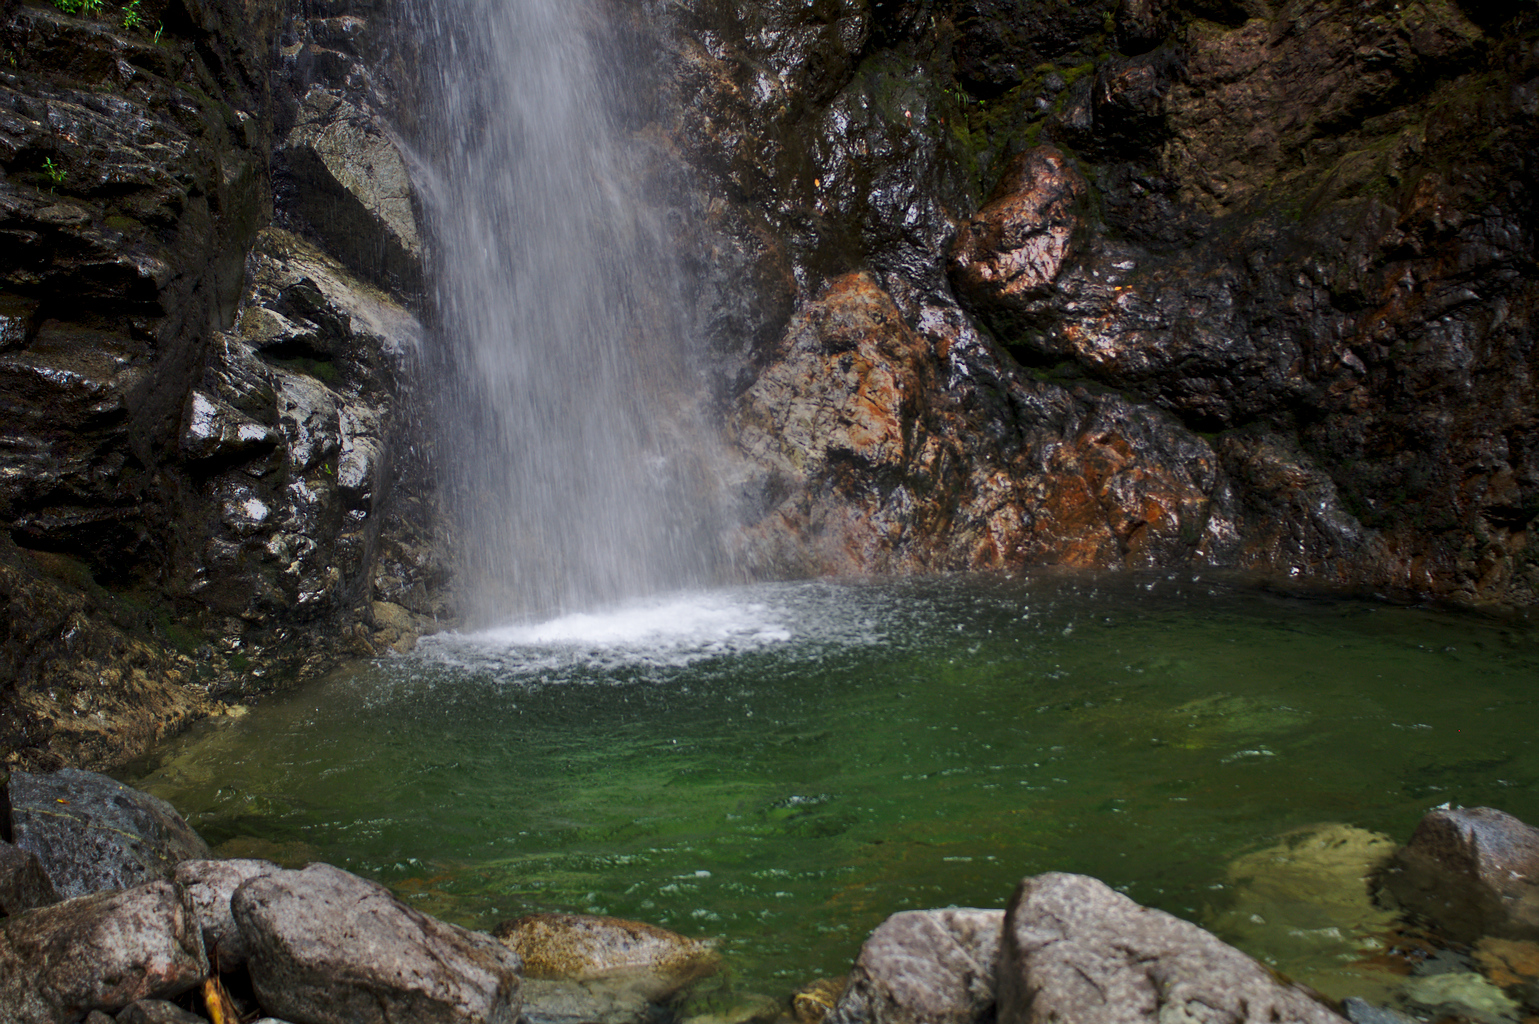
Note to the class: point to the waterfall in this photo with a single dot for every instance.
(569, 439)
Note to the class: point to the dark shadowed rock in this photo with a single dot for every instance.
(209, 885)
(157, 1011)
(1473, 870)
(931, 966)
(327, 947)
(1075, 950)
(99, 952)
(93, 833)
(23, 882)
(650, 961)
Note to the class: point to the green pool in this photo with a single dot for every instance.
(780, 767)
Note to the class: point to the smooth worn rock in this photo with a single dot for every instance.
(93, 833)
(1473, 870)
(99, 952)
(23, 882)
(209, 885)
(649, 960)
(924, 967)
(1075, 950)
(327, 947)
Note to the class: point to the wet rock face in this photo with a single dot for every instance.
(200, 426)
(1012, 250)
(1259, 231)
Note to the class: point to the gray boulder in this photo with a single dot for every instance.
(931, 966)
(209, 885)
(23, 882)
(327, 947)
(1473, 870)
(1075, 950)
(92, 833)
(99, 952)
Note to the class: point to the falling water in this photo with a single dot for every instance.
(572, 450)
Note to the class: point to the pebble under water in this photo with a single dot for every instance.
(780, 767)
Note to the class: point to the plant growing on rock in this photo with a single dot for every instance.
(53, 172)
(133, 19)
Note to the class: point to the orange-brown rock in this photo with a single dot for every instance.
(1012, 250)
(878, 463)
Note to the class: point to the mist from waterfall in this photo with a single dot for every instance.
(572, 449)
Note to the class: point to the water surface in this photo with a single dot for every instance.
(780, 767)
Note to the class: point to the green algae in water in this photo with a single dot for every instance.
(781, 767)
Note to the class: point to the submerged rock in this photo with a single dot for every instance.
(93, 833)
(1075, 950)
(327, 947)
(652, 962)
(924, 967)
(99, 952)
(1308, 901)
(811, 1003)
(1473, 870)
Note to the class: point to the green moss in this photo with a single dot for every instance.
(185, 639)
(323, 370)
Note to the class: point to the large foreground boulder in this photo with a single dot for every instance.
(99, 952)
(924, 967)
(92, 833)
(1473, 870)
(1076, 950)
(327, 947)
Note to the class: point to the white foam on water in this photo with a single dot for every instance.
(676, 630)
(701, 620)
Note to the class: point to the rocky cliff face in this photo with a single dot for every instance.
(205, 391)
(1125, 284)
(988, 283)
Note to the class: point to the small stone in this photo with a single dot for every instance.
(1360, 1011)
(811, 1003)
